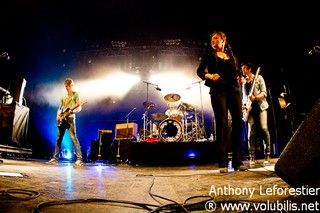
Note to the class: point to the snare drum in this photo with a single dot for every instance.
(170, 130)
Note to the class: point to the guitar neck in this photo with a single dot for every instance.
(254, 82)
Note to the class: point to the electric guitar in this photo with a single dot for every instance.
(246, 111)
(67, 112)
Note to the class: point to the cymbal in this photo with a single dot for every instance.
(158, 116)
(172, 97)
(149, 104)
(186, 107)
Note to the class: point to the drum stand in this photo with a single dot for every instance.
(197, 124)
(145, 122)
(185, 127)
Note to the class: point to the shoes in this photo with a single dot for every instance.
(252, 161)
(240, 168)
(78, 163)
(267, 159)
(53, 161)
(223, 170)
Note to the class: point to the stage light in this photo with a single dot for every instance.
(68, 155)
(191, 154)
(65, 153)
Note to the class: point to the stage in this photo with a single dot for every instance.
(31, 185)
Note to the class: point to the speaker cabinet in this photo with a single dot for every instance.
(299, 163)
(100, 149)
(126, 131)
(120, 151)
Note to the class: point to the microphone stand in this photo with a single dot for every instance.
(127, 135)
(99, 154)
(127, 117)
(202, 114)
(145, 114)
(145, 122)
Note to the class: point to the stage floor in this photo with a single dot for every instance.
(30, 185)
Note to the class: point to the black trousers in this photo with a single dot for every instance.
(224, 101)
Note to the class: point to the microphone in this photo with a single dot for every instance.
(4, 90)
(156, 87)
(130, 112)
(310, 52)
(315, 49)
(5, 55)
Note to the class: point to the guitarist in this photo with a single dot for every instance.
(258, 112)
(69, 106)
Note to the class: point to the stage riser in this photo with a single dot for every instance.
(163, 153)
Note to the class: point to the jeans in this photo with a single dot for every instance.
(71, 126)
(258, 116)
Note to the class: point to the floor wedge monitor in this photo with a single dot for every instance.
(299, 162)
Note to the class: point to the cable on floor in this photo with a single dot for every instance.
(42, 205)
(15, 194)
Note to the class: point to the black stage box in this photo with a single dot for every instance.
(100, 149)
(120, 151)
(173, 153)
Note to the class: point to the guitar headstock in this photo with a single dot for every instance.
(258, 70)
(83, 103)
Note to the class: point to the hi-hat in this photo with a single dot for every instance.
(172, 97)
(158, 116)
(149, 105)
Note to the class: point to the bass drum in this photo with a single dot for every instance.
(170, 130)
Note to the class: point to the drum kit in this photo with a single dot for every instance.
(182, 124)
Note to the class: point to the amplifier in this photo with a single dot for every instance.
(126, 131)
(100, 148)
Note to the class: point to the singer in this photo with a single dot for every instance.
(223, 71)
